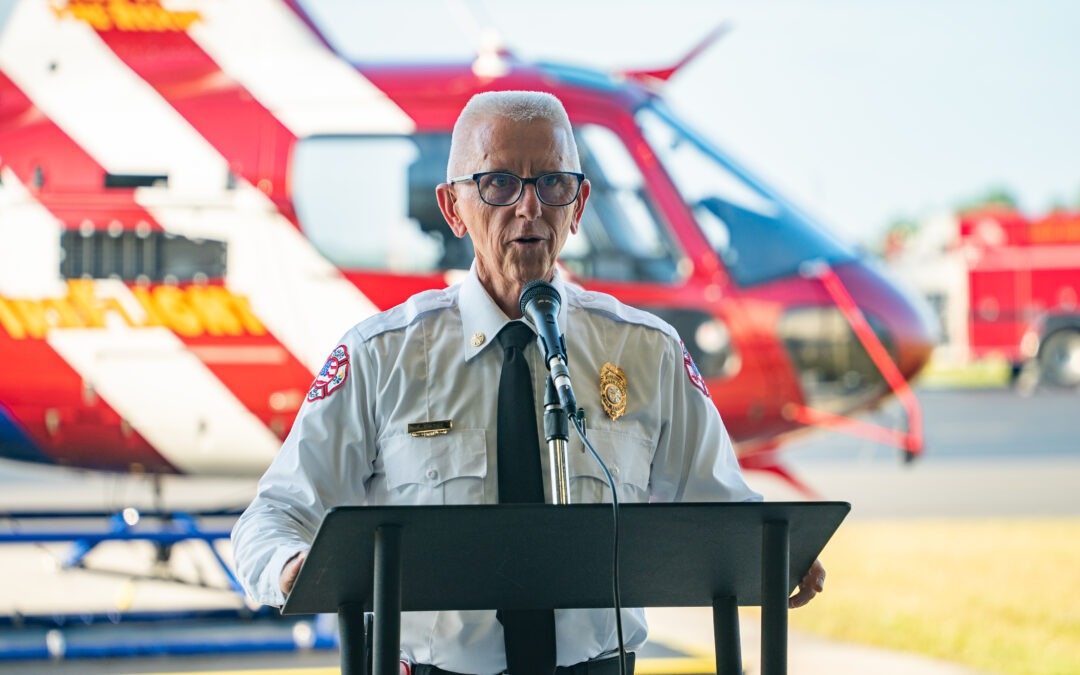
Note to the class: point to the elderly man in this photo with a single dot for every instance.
(514, 186)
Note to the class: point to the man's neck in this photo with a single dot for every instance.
(507, 296)
(506, 293)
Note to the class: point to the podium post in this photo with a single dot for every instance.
(420, 558)
(775, 588)
(726, 636)
(387, 599)
(351, 632)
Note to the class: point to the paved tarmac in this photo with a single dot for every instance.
(989, 453)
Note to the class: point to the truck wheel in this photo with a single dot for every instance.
(1059, 358)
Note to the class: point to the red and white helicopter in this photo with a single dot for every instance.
(198, 197)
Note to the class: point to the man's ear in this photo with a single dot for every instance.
(447, 198)
(579, 206)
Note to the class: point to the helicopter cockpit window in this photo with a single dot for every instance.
(368, 202)
(757, 235)
(621, 237)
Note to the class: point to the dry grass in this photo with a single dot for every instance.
(987, 373)
(1001, 596)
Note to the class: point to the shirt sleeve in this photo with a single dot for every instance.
(695, 460)
(325, 461)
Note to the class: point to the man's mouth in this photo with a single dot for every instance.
(527, 240)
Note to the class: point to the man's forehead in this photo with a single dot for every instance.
(533, 140)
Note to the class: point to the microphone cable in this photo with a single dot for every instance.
(617, 596)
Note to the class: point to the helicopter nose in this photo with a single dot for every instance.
(914, 326)
(838, 371)
(917, 329)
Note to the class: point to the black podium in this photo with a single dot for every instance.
(530, 556)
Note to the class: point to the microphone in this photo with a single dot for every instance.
(539, 304)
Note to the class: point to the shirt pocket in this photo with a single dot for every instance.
(628, 458)
(445, 469)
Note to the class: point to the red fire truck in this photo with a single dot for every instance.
(1023, 281)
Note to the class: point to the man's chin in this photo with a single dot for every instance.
(530, 270)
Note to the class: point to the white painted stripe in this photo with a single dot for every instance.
(170, 398)
(271, 355)
(29, 243)
(300, 297)
(81, 85)
(268, 49)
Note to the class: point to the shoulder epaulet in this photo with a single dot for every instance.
(592, 301)
(406, 313)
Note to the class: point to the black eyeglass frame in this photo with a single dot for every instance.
(524, 181)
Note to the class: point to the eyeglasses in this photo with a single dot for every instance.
(499, 188)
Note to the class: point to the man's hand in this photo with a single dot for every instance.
(289, 572)
(811, 584)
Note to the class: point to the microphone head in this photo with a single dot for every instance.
(538, 289)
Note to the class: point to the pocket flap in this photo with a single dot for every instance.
(627, 457)
(433, 460)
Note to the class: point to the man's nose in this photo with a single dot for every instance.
(529, 205)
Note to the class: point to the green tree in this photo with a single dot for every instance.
(997, 195)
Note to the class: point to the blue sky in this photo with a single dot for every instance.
(859, 110)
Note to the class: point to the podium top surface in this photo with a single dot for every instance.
(515, 556)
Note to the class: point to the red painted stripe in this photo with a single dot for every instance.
(388, 289)
(264, 376)
(255, 143)
(58, 172)
(66, 421)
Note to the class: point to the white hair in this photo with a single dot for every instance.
(517, 106)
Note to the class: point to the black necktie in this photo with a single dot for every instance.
(529, 634)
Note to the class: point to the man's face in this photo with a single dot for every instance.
(518, 243)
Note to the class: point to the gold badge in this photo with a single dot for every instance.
(613, 390)
(478, 339)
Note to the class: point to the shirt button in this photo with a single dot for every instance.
(432, 474)
(614, 470)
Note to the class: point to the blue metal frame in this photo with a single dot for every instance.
(156, 527)
(164, 633)
(80, 635)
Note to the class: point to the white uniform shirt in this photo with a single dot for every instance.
(425, 360)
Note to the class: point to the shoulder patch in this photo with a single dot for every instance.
(692, 372)
(332, 376)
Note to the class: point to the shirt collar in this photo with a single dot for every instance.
(480, 316)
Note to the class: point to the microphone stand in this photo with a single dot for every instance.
(557, 432)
